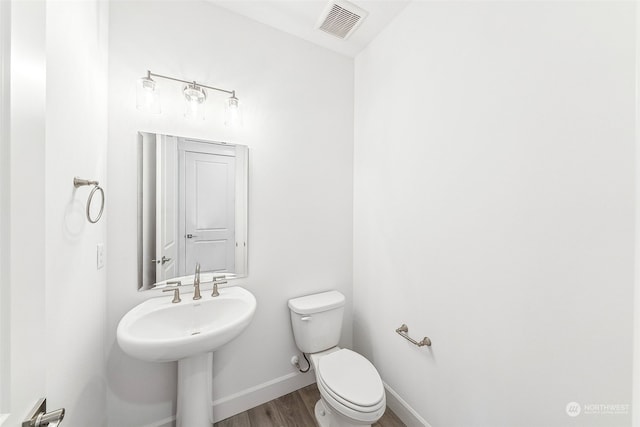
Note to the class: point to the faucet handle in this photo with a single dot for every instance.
(176, 293)
(217, 281)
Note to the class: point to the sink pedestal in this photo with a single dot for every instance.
(194, 391)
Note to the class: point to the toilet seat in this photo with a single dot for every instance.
(351, 385)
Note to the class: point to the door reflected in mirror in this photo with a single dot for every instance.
(192, 208)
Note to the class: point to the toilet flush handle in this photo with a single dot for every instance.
(305, 318)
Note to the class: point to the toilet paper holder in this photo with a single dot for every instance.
(403, 331)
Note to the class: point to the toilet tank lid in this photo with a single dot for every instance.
(317, 303)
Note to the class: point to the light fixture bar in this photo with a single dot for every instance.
(230, 92)
(194, 95)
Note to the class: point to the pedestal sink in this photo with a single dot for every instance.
(189, 331)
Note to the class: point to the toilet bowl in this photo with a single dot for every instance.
(350, 387)
(351, 391)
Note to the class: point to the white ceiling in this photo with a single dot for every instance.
(299, 18)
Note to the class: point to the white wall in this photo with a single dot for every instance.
(58, 126)
(76, 145)
(494, 209)
(23, 276)
(636, 290)
(5, 230)
(298, 124)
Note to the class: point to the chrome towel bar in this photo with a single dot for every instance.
(78, 182)
(403, 331)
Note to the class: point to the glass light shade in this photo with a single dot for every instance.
(146, 96)
(233, 114)
(194, 96)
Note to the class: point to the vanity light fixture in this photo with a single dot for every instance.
(146, 95)
(232, 111)
(194, 94)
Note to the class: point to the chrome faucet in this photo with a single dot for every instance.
(196, 283)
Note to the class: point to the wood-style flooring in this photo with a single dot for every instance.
(293, 410)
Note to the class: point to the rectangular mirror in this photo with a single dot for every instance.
(192, 208)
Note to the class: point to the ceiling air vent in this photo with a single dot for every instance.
(341, 18)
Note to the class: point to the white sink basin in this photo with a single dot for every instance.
(159, 331)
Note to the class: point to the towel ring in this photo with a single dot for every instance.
(77, 182)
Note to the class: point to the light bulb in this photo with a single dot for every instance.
(194, 96)
(233, 116)
(147, 96)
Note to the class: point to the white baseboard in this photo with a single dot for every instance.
(250, 398)
(167, 422)
(402, 409)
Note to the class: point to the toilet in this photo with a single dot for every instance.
(351, 391)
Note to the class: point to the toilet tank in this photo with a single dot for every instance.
(317, 320)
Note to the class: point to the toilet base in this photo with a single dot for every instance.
(326, 418)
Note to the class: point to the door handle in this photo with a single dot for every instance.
(162, 261)
(191, 236)
(39, 417)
